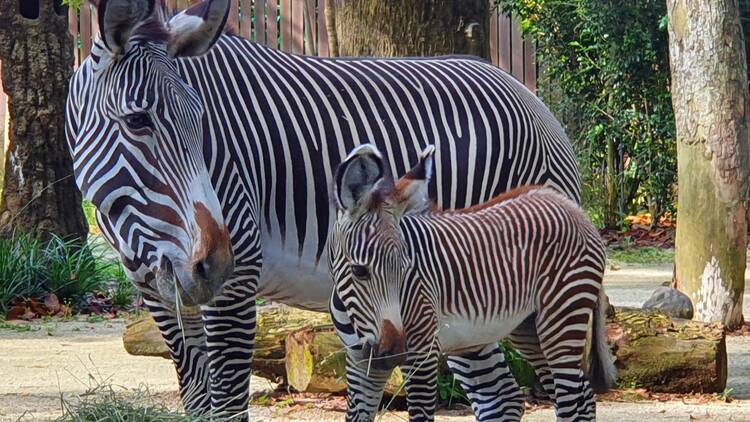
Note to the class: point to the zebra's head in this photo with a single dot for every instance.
(134, 128)
(370, 260)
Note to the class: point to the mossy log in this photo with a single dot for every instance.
(316, 362)
(662, 354)
(300, 349)
(312, 361)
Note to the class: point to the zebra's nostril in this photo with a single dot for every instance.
(201, 270)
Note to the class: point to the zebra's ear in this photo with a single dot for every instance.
(194, 30)
(118, 18)
(411, 193)
(357, 175)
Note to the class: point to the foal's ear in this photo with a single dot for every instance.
(411, 193)
(357, 175)
(118, 18)
(194, 30)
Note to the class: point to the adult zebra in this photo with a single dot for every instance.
(195, 145)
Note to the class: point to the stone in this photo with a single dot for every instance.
(671, 302)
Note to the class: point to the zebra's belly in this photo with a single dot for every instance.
(457, 333)
(295, 281)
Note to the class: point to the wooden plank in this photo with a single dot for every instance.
(311, 28)
(246, 18)
(272, 25)
(85, 28)
(234, 15)
(322, 30)
(494, 36)
(286, 25)
(298, 26)
(171, 6)
(73, 28)
(94, 22)
(516, 43)
(529, 65)
(260, 21)
(503, 27)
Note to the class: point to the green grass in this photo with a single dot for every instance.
(103, 403)
(22, 263)
(642, 255)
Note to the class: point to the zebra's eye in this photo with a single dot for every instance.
(360, 272)
(138, 120)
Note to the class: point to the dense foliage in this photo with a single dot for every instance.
(29, 268)
(607, 78)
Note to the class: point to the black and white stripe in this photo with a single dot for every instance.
(527, 264)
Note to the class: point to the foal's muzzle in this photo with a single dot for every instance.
(390, 349)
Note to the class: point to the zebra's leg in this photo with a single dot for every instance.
(365, 387)
(229, 325)
(562, 337)
(526, 341)
(485, 377)
(186, 342)
(420, 376)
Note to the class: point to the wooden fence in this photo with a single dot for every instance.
(298, 26)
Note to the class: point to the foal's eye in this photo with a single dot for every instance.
(138, 120)
(360, 272)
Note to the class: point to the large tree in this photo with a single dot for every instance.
(39, 193)
(410, 27)
(710, 99)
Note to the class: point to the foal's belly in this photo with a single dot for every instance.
(457, 333)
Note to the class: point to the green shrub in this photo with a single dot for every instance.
(29, 267)
(21, 268)
(607, 77)
(72, 269)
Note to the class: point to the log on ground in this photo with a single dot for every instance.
(300, 349)
(662, 354)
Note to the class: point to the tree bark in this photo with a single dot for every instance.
(36, 50)
(397, 28)
(710, 99)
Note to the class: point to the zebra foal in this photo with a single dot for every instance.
(416, 281)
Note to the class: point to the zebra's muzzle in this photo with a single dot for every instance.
(190, 282)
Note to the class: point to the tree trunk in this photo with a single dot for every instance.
(412, 28)
(710, 99)
(36, 50)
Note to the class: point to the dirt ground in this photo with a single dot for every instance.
(66, 359)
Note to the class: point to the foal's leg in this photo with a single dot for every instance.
(420, 375)
(365, 387)
(525, 341)
(562, 336)
(487, 381)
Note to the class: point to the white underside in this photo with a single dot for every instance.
(457, 333)
(293, 280)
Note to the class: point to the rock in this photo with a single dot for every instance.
(671, 302)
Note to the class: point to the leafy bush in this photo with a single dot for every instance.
(21, 268)
(29, 267)
(607, 78)
(72, 269)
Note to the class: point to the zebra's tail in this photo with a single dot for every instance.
(601, 371)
